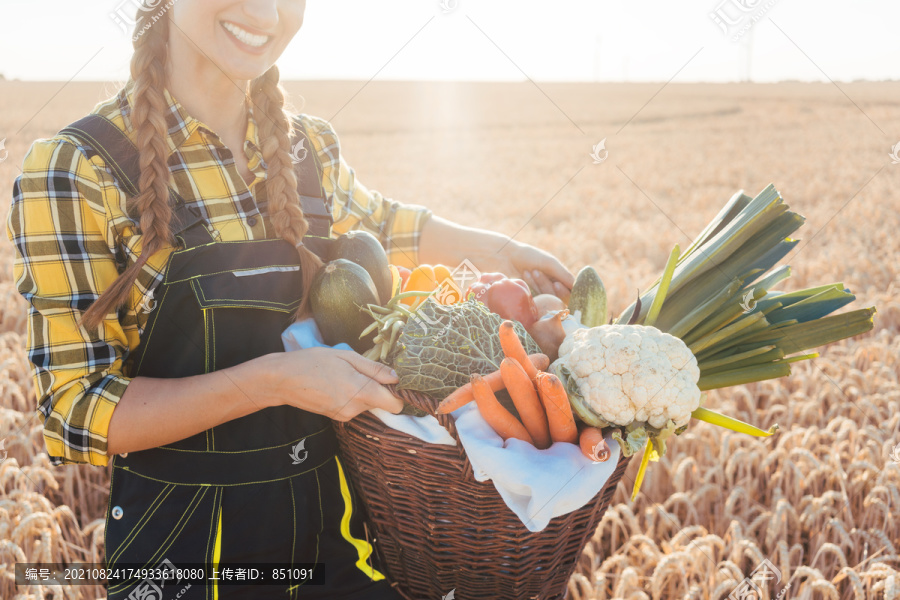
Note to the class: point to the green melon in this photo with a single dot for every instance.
(338, 291)
(364, 249)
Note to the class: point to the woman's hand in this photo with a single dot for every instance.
(542, 271)
(448, 243)
(339, 384)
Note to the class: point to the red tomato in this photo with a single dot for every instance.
(509, 298)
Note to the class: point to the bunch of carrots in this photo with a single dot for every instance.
(539, 397)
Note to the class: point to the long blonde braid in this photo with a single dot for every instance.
(148, 70)
(275, 129)
(148, 117)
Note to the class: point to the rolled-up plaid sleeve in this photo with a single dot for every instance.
(398, 226)
(57, 222)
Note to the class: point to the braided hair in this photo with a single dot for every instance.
(148, 71)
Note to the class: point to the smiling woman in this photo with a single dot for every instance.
(130, 226)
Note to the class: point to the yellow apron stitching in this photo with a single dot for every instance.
(292, 443)
(293, 588)
(179, 527)
(112, 477)
(172, 281)
(206, 343)
(157, 502)
(212, 343)
(170, 539)
(227, 484)
(248, 302)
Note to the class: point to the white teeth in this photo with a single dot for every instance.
(245, 36)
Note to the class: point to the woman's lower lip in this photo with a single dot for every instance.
(247, 47)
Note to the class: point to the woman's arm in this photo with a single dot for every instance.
(411, 235)
(90, 409)
(354, 206)
(336, 383)
(449, 243)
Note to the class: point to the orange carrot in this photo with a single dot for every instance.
(593, 445)
(512, 347)
(559, 411)
(525, 397)
(463, 395)
(500, 419)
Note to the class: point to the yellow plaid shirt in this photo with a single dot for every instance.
(71, 230)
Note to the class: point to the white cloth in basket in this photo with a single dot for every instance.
(537, 485)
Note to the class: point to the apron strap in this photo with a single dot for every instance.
(120, 154)
(315, 203)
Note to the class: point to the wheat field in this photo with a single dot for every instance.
(820, 501)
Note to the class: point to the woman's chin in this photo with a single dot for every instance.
(245, 70)
(242, 64)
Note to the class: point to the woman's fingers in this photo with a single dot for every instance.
(370, 368)
(542, 283)
(541, 270)
(551, 267)
(527, 278)
(371, 393)
(562, 292)
(385, 400)
(360, 393)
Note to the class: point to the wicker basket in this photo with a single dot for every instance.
(437, 529)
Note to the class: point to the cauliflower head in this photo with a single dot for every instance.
(628, 373)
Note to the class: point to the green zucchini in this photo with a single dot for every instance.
(589, 297)
(338, 291)
(364, 249)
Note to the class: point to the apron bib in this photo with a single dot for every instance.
(267, 488)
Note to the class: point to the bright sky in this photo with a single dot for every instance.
(586, 40)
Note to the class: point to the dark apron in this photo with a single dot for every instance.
(267, 488)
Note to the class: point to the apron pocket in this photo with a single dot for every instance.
(265, 297)
(150, 521)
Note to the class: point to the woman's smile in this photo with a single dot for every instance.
(231, 40)
(245, 38)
